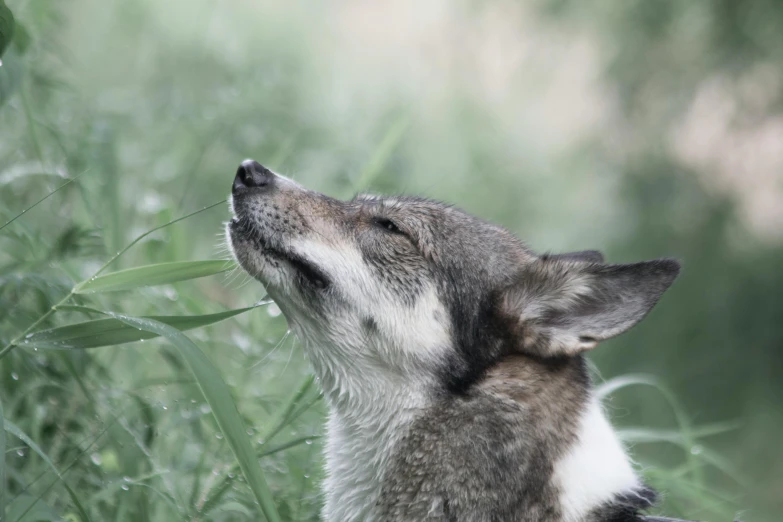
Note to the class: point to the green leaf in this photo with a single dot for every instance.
(2, 463)
(27, 508)
(11, 428)
(224, 409)
(11, 74)
(152, 275)
(6, 27)
(22, 38)
(108, 332)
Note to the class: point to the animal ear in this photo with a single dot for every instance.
(588, 256)
(561, 306)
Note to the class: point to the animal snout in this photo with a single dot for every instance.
(251, 174)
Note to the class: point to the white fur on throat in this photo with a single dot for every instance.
(595, 469)
(375, 380)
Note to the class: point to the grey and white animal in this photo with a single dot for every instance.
(450, 355)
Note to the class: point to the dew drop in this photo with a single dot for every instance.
(95, 458)
(308, 442)
(127, 479)
(273, 310)
(14, 376)
(125, 487)
(696, 450)
(218, 436)
(1, 63)
(20, 452)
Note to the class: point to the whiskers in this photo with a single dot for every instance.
(224, 251)
(273, 350)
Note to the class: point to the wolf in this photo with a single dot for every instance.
(450, 354)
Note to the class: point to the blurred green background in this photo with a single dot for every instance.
(643, 128)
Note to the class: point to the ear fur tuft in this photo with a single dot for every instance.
(559, 305)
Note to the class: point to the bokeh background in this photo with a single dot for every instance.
(641, 128)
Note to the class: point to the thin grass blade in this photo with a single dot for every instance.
(218, 492)
(2, 463)
(647, 435)
(224, 409)
(152, 275)
(27, 508)
(7, 26)
(391, 140)
(110, 332)
(14, 430)
(41, 200)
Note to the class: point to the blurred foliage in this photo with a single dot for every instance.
(633, 126)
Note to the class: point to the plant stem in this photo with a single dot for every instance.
(15, 342)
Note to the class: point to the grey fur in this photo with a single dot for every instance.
(503, 401)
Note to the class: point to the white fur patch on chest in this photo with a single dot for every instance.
(358, 451)
(595, 469)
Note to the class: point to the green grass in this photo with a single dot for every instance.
(142, 378)
(120, 453)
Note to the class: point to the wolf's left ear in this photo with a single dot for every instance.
(563, 306)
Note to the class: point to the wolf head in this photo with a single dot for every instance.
(422, 291)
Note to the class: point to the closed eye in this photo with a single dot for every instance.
(388, 225)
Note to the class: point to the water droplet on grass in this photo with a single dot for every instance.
(125, 487)
(96, 459)
(14, 376)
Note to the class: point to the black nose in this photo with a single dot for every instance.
(252, 174)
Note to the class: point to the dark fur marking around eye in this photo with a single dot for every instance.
(388, 225)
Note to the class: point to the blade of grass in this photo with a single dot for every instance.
(26, 508)
(2, 463)
(152, 275)
(224, 409)
(390, 140)
(15, 342)
(682, 420)
(211, 502)
(18, 433)
(65, 470)
(7, 27)
(50, 194)
(281, 419)
(287, 416)
(110, 332)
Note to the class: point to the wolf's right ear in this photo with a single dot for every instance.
(561, 306)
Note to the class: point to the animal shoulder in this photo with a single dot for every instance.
(489, 454)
